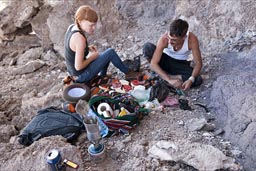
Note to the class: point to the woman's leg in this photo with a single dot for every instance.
(111, 56)
(101, 65)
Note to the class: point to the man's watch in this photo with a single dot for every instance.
(192, 79)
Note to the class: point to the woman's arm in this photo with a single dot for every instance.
(78, 45)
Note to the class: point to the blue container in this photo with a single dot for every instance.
(54, 160)
(102, 126)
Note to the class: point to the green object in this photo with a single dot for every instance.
(116, 102)
(180, 92)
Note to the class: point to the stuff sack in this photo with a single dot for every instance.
(159, 91)
(134, 64)
(123, 123)
(52, 121)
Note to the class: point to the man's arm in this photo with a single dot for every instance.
(154, 64)
(194, 47)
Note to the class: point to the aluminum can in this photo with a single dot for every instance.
(54, 160)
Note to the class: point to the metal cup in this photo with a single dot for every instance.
(92, 129)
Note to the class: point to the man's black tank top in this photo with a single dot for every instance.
(70, 54)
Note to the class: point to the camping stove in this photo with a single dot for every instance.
(96, 149)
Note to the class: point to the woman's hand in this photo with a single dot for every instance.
(92, 48)
(93, 52)
(94, 55)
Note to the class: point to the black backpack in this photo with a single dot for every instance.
(52, 121)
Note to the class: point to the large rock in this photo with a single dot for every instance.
(57, 22)
(6, 132)
(33, 157)
(40, 27)
(233, 96)
(200, 156)
(29, 55)
(18, 15)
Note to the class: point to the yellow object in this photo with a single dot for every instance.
(70, 164)
(123, 112)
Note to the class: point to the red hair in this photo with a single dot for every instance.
(85, 12)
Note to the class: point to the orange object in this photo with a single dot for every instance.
(70, 164)
(71, 108)
(67, 80)
(68, 107)
(145, 77)
(115, 81)
(95, 90)
(104, 87)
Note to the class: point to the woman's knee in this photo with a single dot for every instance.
(109, 54)
(110, 51)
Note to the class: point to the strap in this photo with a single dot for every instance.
(75, 31)
(54, 109)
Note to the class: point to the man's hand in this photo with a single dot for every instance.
(175, 82)
(186, 85)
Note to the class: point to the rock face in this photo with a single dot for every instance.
(32, 68)
(26, 10)
(234, 96)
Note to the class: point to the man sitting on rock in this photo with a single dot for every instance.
(169, 58)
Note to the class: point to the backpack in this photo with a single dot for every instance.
(123, 123)
(52, 121)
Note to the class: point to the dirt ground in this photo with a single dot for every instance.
(123, 152)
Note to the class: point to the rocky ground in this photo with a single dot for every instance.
(32, 69)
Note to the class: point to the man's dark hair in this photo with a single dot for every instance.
(178, 28)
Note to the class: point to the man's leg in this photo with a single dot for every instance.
(179, 67)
